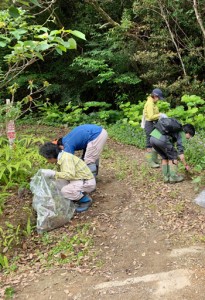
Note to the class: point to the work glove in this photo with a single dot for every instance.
(48, 173)
(162, 116)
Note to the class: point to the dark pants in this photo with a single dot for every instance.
(149, 126)
(164, 147)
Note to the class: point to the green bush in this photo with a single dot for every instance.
(19, 163)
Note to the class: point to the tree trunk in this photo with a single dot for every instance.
(198, 17)
(172, 37)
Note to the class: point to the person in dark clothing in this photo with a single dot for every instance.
(164, 144)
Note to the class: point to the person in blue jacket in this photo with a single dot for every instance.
(88, 137)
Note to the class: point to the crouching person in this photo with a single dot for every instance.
(75, 174)
(164, 144)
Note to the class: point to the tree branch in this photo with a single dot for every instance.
(198, 17)
(164, 16)
(102, 13)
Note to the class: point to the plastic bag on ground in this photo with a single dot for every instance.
(53, 210)
(200, 199)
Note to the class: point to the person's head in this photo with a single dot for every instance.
(157, 95)
(50, 151)
(189, 130)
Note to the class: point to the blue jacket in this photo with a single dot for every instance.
(80, 136)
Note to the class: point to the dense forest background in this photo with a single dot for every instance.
(130, 48)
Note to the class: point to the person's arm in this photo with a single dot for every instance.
(180, 149)
(179, 142)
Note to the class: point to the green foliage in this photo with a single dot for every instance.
(194, 151)
(127, 134)
(191, 110)
(71, 249)
(74, 114)
(102, 105)
(9, 236)
(9, 292)
(29, 227)
(163, 106)
(16, 110)
(18, 164)
(132, 113)
(4, 261)
(3, 197)
(30, 42)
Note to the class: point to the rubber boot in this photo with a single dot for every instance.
(165, 172)
(174, 177)
(155, 157)
(149, 158)
(83, 204)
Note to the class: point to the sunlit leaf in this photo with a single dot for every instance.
(59, 50)
(71, 44)
(35, 2)
(78, 34)
(43, 46)
(2, 44)
(39, 55)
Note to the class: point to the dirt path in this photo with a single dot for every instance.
(146, 236)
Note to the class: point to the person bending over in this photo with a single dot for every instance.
(88, 137)
(164, 144)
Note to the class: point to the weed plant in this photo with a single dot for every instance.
(19, 163)
(194, 151)
(69, 249)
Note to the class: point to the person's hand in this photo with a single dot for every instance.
(48, 173)
(161, 115)
(187, 168)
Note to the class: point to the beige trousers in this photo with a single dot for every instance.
(74, 189)
(95, 147)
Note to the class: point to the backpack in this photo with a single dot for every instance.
(168, 126)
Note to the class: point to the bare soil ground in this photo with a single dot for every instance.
(148, 240)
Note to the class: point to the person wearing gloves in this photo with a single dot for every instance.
(77, 178)
(88, 137)
(164, 143)
(151, 115)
